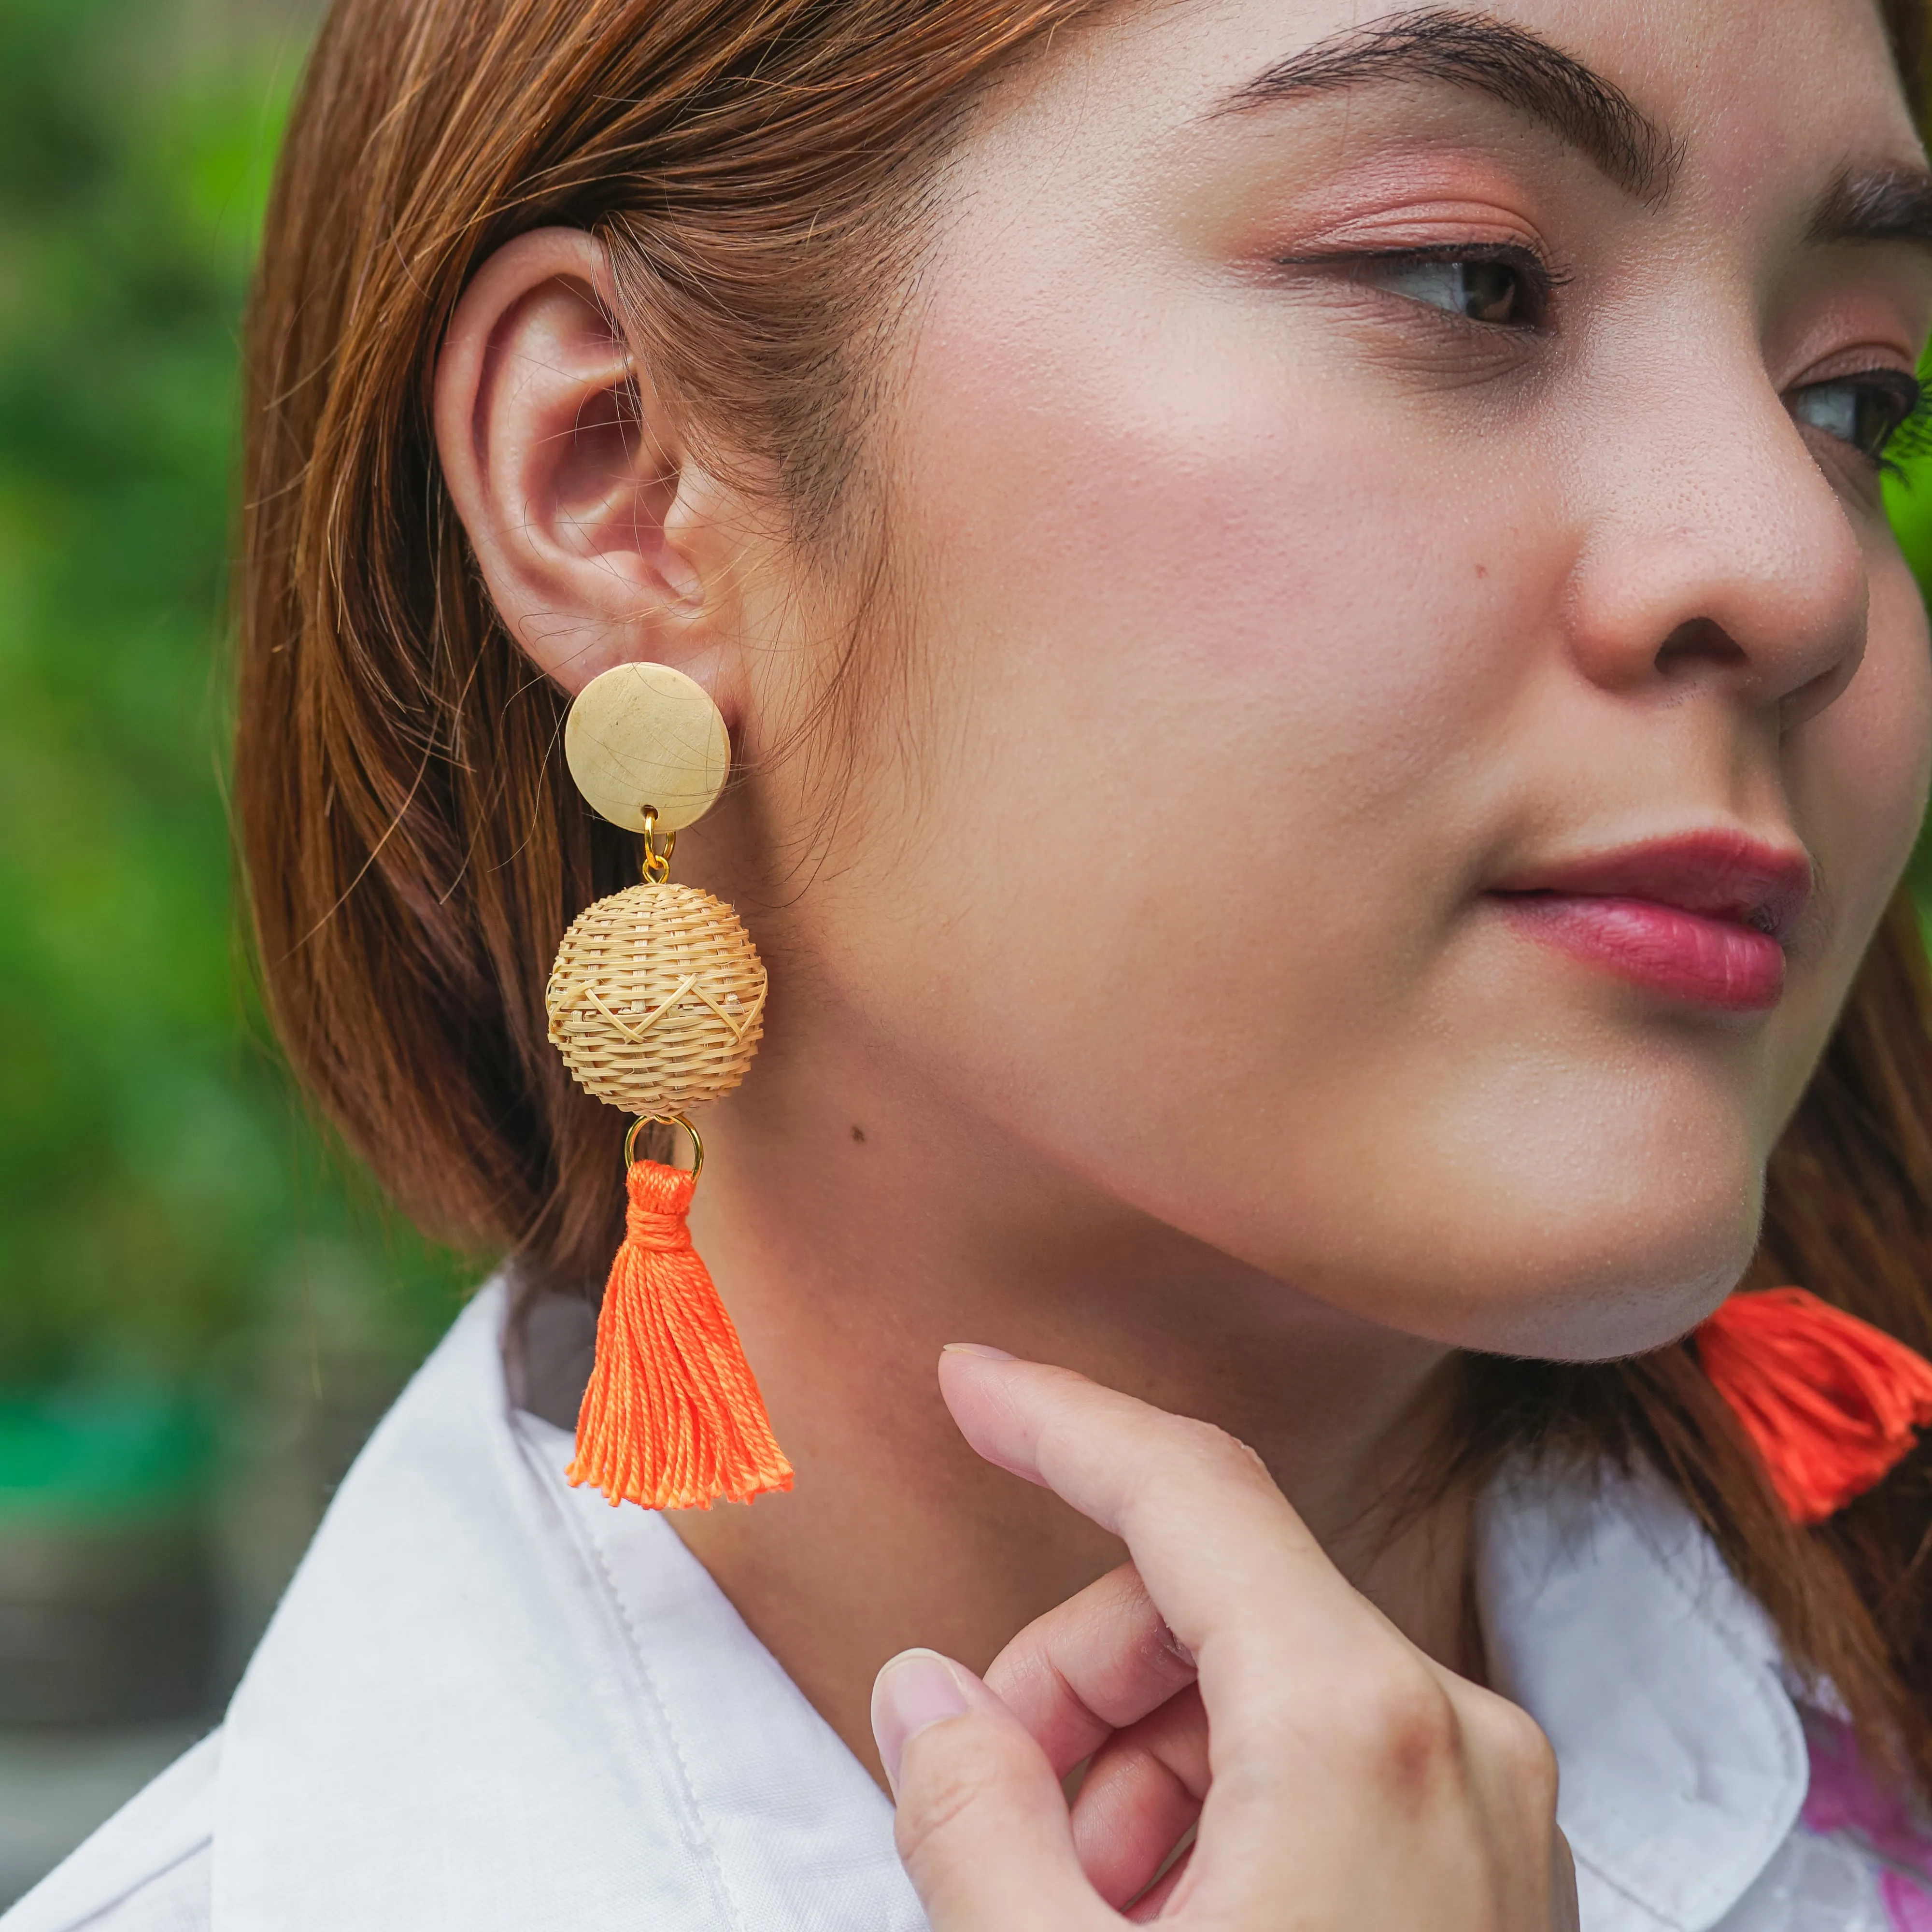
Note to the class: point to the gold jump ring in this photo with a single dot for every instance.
(657, 859)
(644, 1121)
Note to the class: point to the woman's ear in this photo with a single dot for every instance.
(598, 538)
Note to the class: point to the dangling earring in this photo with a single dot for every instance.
(655, 1002)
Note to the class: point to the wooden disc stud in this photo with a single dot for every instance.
(644, 737)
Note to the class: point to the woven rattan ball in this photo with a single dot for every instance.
(657, 999)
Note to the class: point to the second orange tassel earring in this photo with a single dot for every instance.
(655, 1003)
(1831, 1404)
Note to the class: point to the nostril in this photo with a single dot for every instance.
(1699, 642)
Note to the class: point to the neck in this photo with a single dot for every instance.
(854, 1227)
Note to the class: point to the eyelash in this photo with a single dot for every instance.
(1911, 435)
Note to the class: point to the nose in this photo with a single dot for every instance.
(1718, 552)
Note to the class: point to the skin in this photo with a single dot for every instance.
(1141, 1002)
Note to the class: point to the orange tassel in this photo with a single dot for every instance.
(1831, 1403)
(672, 1418)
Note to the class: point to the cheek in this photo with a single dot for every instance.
(1195, 586)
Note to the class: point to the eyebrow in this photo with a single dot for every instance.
(1882, 204)
(1485, 55)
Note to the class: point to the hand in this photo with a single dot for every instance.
(1343, 1781)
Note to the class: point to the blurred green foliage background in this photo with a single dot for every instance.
(163, 1205)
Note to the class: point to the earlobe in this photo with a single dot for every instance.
(586, 517)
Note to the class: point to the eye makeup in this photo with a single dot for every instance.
(1504, 285)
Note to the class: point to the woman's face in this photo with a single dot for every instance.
(1415, 710)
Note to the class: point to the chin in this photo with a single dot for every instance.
(1579, 1260)
(1602, 1214)
(1619, 1301)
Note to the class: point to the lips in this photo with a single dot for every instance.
(1702, 919)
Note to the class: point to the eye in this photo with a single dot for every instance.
(1866, 410)
(1506, 291)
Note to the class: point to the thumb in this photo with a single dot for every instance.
(982, 1826)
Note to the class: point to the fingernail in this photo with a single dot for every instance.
(916, 1688)
(977, 1348)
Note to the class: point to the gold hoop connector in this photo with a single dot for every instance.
(657, 858)
(644, 1121)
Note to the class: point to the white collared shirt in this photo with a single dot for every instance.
(491, 1702)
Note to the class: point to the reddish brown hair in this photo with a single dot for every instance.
(756, 170)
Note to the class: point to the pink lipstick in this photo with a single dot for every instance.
(1703, 918)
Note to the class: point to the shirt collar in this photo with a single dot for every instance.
(490, 1701)
(1610, 1616)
